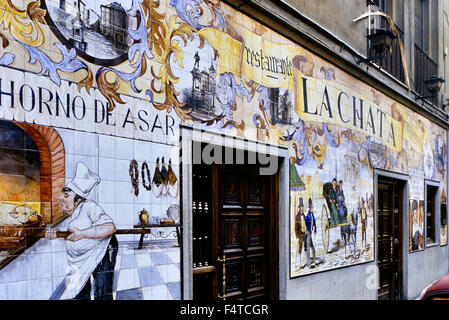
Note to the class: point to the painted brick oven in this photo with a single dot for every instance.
(52, 159)
(51, 173)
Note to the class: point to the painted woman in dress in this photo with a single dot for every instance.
(334, 219)
(341, 201)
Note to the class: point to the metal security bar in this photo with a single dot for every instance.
(425, 67)
(392, 61)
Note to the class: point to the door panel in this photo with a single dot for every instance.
(241, 208)
(232, 228)
(231, 193)
(255, 191)
(234, 279)
(242, 219)
(389, 240)
(255, 231)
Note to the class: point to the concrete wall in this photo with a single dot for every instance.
(424, 267)
(336, 17)
(341, 284)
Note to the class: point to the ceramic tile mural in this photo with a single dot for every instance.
(92, 94)
(443, 220)
(96, 168)
(416, 225)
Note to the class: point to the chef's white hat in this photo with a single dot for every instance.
(84, 181)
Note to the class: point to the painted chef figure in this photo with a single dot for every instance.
(91, 246)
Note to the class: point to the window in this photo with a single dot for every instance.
(381, 4)
(425, 62)
(378, 21)
(421, 25)
(431, 205)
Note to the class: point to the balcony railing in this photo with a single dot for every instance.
(425, 67)
(391, 62)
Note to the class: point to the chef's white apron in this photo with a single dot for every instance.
(84, 255)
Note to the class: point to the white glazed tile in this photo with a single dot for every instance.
(122, 171)
(128, 279)
(144, 260)
(106, 146)
(174, 256)
(123, 192)
(169, 273)
(159, 292)
(106, 191)
(124, 148)
(13, 290)
(106, 168)
(38, 266)
(40, 289)
(67, 136)
(86, 143)
(124, 215)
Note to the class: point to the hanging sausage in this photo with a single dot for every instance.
(157, 181)
(134, 175)
(172, 182)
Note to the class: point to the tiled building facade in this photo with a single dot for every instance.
(93, 136)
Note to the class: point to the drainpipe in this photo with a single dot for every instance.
(445, 53)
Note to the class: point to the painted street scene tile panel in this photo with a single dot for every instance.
(98, 29)
(92, 96)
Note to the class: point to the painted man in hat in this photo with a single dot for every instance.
(91, 245)
(310, 227)
(300, 230)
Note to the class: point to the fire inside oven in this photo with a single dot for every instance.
(20, 185)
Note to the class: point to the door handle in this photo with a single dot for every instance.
(223, 285)
(391, 246)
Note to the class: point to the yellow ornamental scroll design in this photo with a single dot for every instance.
(163, 41)
(23, 24)
(164, 47)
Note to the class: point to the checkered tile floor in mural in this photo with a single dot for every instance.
(150, 273)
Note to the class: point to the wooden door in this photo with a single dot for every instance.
(243, 211)
(389, 208)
